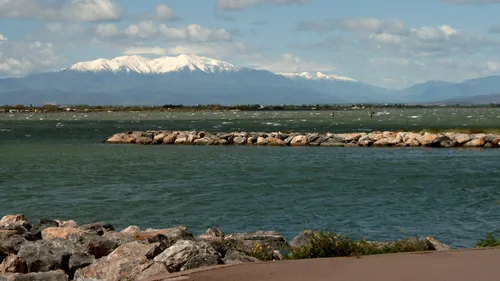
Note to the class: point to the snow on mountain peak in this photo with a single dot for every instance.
(160, 65)
(317, 76)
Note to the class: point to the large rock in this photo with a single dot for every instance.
(41, 225)
(43, 256)
(131, 229)
(215, 237)
(460, 138)
(12, 243)
(127, 262)
(299, 140)
(427, 139)
(13, 264)
(61, 232)
(14, 220)
(412, 244)
(436, 245)
(70, 223)
(77, 261)
(475, 143)
(302, 239)
(174, 234)
(189, 254)
(56, 275)
(98, 227)
(246, 242)
(235, 257)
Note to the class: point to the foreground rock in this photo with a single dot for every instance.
(63, 250)
(373, 139)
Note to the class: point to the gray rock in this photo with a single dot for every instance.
(127, 261)
(13, 243)
(239, 140)
(98, 227)
(302, 239)
(56, 275)
(13, 264)
(41, 225)
(246, 242)
(235, 257)
(188, 254)
(43, 256)
(312, 137)
(436, 245)
(215, 232)
(14, 220)
(77, 261)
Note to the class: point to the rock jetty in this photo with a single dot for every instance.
(372, 139)
(64, 250)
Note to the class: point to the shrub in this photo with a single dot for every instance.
(262, 252)
(489, 241)
(325, 244)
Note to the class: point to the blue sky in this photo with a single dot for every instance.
(389, 43)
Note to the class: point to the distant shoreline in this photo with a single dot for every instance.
(216, 107)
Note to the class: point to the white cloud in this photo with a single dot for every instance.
(290, 63)
(194, 33)
(2, 38)
(243, 4)
(144, 29)
(73, 10)
(20, 58)
(107, 30)
(165, 12)
(145, 51)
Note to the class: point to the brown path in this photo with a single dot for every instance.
(458, 265)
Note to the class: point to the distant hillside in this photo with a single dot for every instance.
(475, 100)
(190, 79)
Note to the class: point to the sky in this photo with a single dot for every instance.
(388, 43)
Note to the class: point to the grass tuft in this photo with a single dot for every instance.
(489, 241)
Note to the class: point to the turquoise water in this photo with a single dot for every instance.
(56, 166)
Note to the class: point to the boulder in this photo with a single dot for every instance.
(246, 242)
(215, 232)
(475, 143)
(436, 245)
(13, 243)
(127, 262)
(159, 138)
(188, 254)
(302, 239)
(461, 138)
(131, 229)
(240, 140)
(14, 220)
(60, 232)
(236, 257)
(56, 275)
(261, 141)
(77, 261)
(13, 230)
(43, 256)
(170, 138)
(319, 140)
(427, 139)
(70, 223)
(174, 234)
(299, 140)
(351, 137)
(312, 137)
(272, 141)
(98, 227)
(412, 244)
(119, 238)
(13, 264)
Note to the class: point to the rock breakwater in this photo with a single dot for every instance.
(372, 139)
(64, 250)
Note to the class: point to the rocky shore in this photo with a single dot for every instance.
(372, 139)
(63, 250)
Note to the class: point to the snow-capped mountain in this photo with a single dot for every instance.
(161, 65)
(184, 79)
(317, 76)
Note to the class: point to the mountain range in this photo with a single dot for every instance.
(190, 79)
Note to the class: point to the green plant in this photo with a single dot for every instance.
(489, 241)
(325, 244)
(262, 252)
